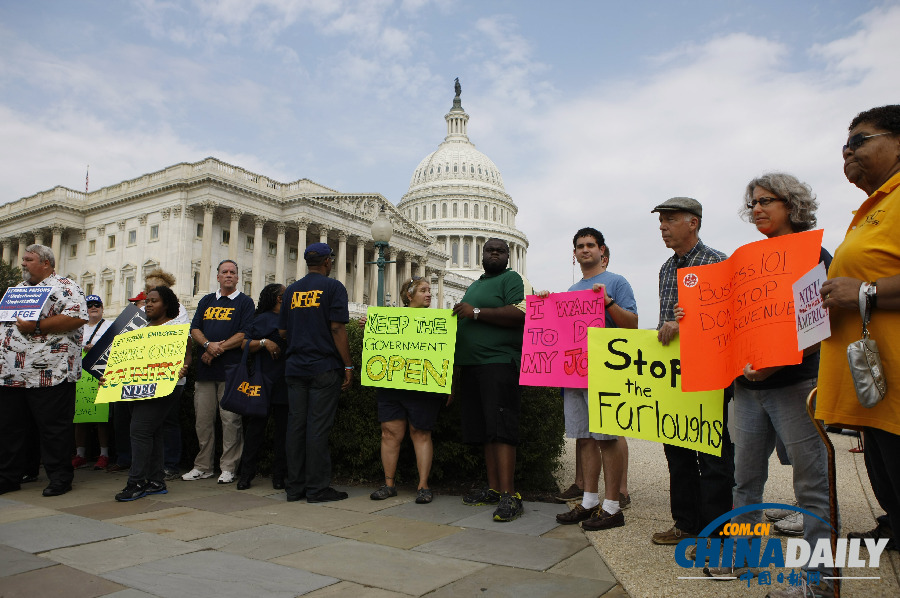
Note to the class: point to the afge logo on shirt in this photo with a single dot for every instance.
(218, 313)
(306, 299)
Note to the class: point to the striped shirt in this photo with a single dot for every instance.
(699, 255)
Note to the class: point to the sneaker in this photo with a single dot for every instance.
(227, 477)
(882, 530)
(482, 496)
(102, 463)
(79, 462)
(171, 474)
(778, 514)
(820, 590)
(132, 491)
(728, 573)
(510, 507)
(572, 493)
(156, 488)
(672, 536)
(27, 477)
(624, 500)
(424, 496)
(117, 467)
(792, 525)
(602, 520)
(577, 514)
(327, 495)
(196, 474)
(384, 492)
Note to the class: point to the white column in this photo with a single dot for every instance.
(258, 252)
(360, 270)
(323, 235)
(5, 251)
(407, 267)
(38, 237)
(302, 225)
(23, 243)
(56, 242)
(342, 258)
(420, 260)
(440, 275)
(209, 209)
(279, 253)
(234, 233)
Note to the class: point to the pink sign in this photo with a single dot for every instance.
(554, 347)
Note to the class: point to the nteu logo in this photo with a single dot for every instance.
(138, 391)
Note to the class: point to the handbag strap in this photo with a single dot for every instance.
(865, 309)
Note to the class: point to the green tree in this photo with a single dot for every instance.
(10, 276)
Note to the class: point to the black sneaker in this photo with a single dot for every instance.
(482, 496)
(384, 492)
(882, 530)
(156, 488)
(132, 491)
(327, 495)
(510, 507)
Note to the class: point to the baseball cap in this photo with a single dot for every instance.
(94, 299)
(317, 250)
(680, 204)
(142, 296)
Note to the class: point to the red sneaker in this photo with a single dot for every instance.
(79, 462)
(102, 462)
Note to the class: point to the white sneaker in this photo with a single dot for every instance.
(792, 525)
(196, 474)
(226, 478)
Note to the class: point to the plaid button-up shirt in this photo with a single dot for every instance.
(699, 255)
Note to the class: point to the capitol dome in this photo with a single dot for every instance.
(457, 193)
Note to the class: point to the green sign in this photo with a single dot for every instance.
(409, 348)
(86, 410)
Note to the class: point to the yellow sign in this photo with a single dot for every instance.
(634, 389)
(144, 363)
(409, 348)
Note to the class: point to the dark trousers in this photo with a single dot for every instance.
(255, 436)
(882, 449)
(313, 402)
(121, 427)
(52, 409)
(700, 484)
(172, 435)
(147, 417)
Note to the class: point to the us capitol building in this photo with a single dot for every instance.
(190, 216)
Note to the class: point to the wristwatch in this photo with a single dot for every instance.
(206, 344)
(476, 311)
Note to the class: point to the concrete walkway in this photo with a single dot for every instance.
(205, 539)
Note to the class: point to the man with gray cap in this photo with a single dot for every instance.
(313, 319)
(699, 484)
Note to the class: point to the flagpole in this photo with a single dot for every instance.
(87, 178)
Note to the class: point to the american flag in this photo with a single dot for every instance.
(87, 178)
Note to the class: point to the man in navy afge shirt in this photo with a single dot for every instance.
(218, 327)
(313, 318)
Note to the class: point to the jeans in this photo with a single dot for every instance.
(761, 416)
(312, 404)
(172, 435)
(147, 417)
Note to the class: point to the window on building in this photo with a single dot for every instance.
(455, 211)
(92, 247)
(111, 242)
(248, 288)
(249, 243)
(199, 230)
(273, 248)
(132, 237)
(129, 287)
(475, 211)
(455, 253)
(466, 254)
(433, 211)
(107, 292)
(495, 214)
(292, 253)
(226, 237)
(73, 250)
(443, 210)
(89, 288)
(417, 214)
(154, 232)
(196, 285)
(465, 210)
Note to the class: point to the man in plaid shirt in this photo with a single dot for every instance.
(699, 484)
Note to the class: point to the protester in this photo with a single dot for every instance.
(314, 322)
(40, 361)
(399, 408)
(93, 330)
(263, 338)
(699, 483)
(488, 353)
(147, 475)
(865, 272)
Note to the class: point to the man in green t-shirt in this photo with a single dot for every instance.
(488, 351)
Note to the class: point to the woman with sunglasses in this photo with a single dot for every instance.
(866, 270)
(399, 408)
(147, 475)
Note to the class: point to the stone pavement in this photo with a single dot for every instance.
(205, 539)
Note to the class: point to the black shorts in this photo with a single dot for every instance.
(490, 402)
(419, 408)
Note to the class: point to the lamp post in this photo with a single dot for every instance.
(382, 229)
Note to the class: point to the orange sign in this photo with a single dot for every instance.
(741, 310)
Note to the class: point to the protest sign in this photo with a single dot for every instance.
(409, 348)
(813, 324)
(554, 345)
(94, 362)
(144, 363)
(635, 390)
(23, 302)
(741, 310)
(86, 410)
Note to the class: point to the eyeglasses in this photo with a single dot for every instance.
(763, 201)
(856, 142)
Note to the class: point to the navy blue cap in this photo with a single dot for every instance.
(317, 250)
(94, 299)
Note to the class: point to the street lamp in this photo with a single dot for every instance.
(382, 229)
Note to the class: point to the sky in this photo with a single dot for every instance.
(593, 111)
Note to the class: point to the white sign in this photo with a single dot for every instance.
(23, 302)
(813, 325)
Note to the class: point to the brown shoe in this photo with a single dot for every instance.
(603, 520)
(672, 536)
(624, 501)
(116, 467)
(576, 515)
(573, 493)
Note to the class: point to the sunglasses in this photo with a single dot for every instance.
(763, 201)
(856, 142)
(94, 304)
